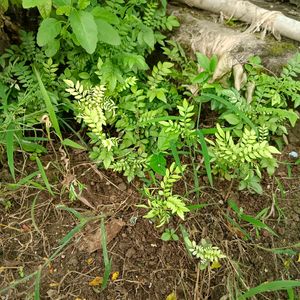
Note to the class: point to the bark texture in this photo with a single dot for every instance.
(259, 18)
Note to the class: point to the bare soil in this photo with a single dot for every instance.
(148, 267)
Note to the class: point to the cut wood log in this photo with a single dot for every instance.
(258, 17)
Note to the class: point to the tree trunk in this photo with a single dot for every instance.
(252, 14)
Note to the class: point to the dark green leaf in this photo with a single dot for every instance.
(52, 48)
(232, 119)
(49, 29)
(213, 63)
(148, 36)
(158, 163)
(203, 61)
(107, 33)
(62, 2)
(85, 29)
(106, 15)
(166, 236)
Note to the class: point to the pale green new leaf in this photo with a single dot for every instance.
(30, 3)
(45, 8)
(4, 5)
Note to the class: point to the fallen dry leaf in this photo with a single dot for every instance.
(90, 261)
(215, 265)
(172, 296)
(115, 276)
(85, 201)
(96, 281)
(92, 240)
(54, 284)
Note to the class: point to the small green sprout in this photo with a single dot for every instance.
(169, 235)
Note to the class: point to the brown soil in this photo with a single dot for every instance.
(148, 267)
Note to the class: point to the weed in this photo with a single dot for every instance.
(62, 244)
(254, 221)
(169, 235)
(242, 160)
(205, 251)
(162, 203)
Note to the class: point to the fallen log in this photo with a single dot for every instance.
(259, 18)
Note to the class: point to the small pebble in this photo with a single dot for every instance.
(122, 187)
(265, 233)
(293, 154)
(130, 253)
(296, 217)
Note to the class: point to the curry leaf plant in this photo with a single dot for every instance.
(265, 100)
(138, 133)
(111, 73)
(163, 204)
(242, 160)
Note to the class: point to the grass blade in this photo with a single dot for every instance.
(197, 206)
(231, 107)
(196, 179)
(65, 240)
(269, 287)
(43, 174)
(32, 214)
(37, 284)
(48, 103)
(245, 235)
(175, 154)
(253, 221)
(17, 282)
(107, 261)
(205, 155)
(23, 181)
(291, 294)
(72, 144)
(10, 149)
(74, 212)
(257, 223)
